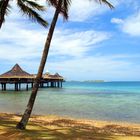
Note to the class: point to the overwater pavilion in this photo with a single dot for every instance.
(17, 76)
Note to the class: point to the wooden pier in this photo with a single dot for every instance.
(17, 77)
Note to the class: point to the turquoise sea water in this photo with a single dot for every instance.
(117, 101)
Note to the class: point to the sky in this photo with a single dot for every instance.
(96, 43)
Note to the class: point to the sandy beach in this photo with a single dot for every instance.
(62, 128)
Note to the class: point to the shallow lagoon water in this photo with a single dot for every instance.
(116, 101)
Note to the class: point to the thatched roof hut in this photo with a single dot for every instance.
(18, 76)
(50, 76)
(16, 72)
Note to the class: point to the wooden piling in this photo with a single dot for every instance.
(32, 84)
(58, 85)
(27, 87)
(4, 86)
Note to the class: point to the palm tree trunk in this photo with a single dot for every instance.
(3, 11)
(24, 120)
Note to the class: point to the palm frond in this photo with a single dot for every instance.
(64, 7)
(35, 5)
(4, 9)
(107, 3)
(32, 14)
(7, 9)
(52, 2)
(1, 2)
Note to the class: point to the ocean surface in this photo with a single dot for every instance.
(115, 101)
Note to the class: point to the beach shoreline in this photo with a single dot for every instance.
(68, 128)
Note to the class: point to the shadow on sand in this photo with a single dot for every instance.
(61, 129)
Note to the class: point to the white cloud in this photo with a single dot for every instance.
(96, 67)
(116, 20)
(130, 25)
(80, 11)
(76, 43)
(86, 9)
(19, 43)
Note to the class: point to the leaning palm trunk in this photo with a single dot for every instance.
(3, 11)
(24, 120)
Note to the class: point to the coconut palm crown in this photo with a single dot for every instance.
(29, 8)
(66, 4)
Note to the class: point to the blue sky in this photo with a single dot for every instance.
(96, 42)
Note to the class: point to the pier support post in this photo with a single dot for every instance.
(42, 85)
(4, 86)
(32, 84)
(16, 86)
(27, 87)
(51, 84)
(58, 85)
(1, 86)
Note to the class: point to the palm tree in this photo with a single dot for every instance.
(27, 7)
(62, 7)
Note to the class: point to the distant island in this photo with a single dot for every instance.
(93, 81)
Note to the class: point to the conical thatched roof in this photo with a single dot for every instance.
(57, 75)
(50, 76)
(16, 72)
